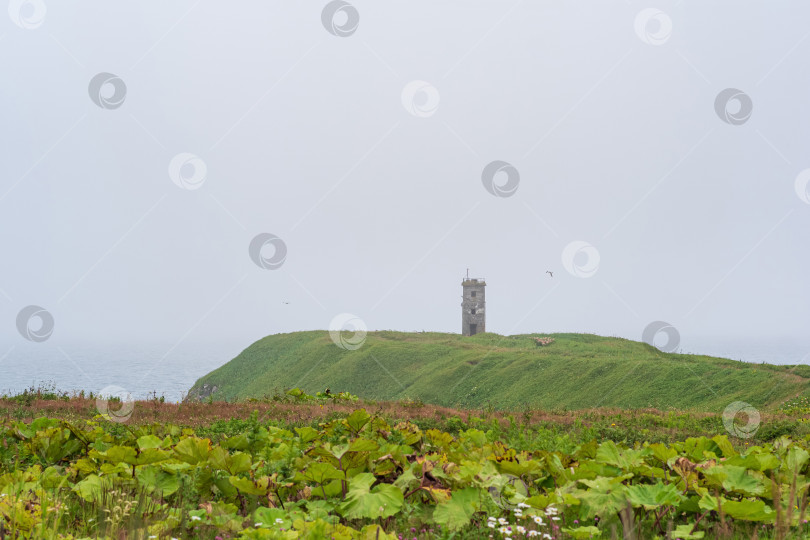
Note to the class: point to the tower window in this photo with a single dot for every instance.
(472, 311)
(472, 293)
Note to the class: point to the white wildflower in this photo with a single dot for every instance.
(196, 518)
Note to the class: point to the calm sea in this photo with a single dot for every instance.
(768, 351)
(141, 369)
(138, 369)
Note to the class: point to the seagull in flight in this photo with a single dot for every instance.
(550, 273)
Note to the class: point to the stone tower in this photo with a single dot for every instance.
(473, 316)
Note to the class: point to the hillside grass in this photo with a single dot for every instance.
(577, 371)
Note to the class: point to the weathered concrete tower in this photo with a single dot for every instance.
(473, 315)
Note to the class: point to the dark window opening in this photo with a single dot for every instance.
(472, 294)
(472, 311)
(473, 329)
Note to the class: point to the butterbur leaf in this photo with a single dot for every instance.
(476, 436)
(363, 445)
(322, 472)
(725, 445)
(754, 461)
(363, 501)
(439, 438)
(51, 478)
(586, 450)
(700, 449)
(268, 516)
(151, 455)
(582, 532)
(626, 458)
(357, 420)
(738, 479)
(539, 501)
(375, 532)
(734, 478)
(318, 509)
(707, 502)
(606, 495)
(239, 463)
(307, 434)
(608, 453)
(154, 479)
(468, 470)
(685, 532)
(321, 529)
(120, 454)
(662, 452)
(795, 461)
(90, 488)
(250, 487)
(690, 505)
(456, 512)
(54, 444)
(238, 442)
(653, 495)
(407, 480)
(193, 450)
(749, 510)
(516, 468)
(410, 433)
(149, 441)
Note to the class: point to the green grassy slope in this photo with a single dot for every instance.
(577, 371)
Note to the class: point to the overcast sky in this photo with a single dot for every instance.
(358, 134)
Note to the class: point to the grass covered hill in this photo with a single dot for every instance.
(576, 371)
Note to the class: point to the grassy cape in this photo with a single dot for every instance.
(575, 371)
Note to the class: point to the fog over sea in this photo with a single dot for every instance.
(143, 369)
(140, 369)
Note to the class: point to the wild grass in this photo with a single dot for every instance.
(575, 371)
(528, 427)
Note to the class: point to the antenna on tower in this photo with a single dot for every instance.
(468, 273)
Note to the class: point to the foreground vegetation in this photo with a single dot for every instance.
(334, 466)
(574, 371)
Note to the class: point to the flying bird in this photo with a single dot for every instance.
(550, 273)
(285, 302)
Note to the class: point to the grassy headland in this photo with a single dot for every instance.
(576, 371)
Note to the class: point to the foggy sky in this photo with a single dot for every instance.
(304, 135)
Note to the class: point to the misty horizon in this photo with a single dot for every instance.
(145, 156)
